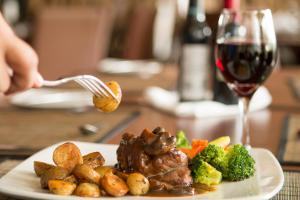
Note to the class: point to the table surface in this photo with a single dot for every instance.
(265, 126)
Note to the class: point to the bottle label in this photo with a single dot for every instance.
(195, 72)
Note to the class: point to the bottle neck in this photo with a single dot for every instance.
(232, 4)
(196, 10)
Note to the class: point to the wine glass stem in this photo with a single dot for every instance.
(243, 106)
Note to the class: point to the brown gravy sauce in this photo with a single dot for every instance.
(198, 189)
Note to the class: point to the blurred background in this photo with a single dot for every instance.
(138, 44)
(75, 35)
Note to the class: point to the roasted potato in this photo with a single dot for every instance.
(40, 167)
(71, 179)
(103, 169)
(103, 192)
(114, 185)
(94, 159)
(86, 174)
(67, 156)
(122, 175)
(109, 104)
(87, 190)
(61, 187)
(138, 184)
(54, 173)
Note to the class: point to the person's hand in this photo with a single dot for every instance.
(18, 62)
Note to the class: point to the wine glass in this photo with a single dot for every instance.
(245, 54)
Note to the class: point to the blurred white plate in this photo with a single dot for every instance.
(52, 99)
(267, 181)
(168, 101)
(122, 66)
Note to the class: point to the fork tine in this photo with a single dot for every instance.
(103, 86)
(94, 88)
(83, 84)
(98, 87)
(91, 83)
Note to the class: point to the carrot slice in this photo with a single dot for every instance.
(197, 146)
(199, 142)
(191, 153)
(186, 151)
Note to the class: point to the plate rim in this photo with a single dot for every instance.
(63, 101)
(8, 192)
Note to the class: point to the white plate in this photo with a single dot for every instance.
(129, 67)
(49, 98)
(268, 179)
(168, 101)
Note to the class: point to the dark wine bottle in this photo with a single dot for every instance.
(221, 91)
(232, 5)
(194, 78)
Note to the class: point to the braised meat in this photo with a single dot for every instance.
(154, 155)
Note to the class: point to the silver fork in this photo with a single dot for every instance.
(91, 83)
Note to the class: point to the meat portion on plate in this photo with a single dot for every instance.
(154, 154)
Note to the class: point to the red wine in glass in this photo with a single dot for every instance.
(245, 65)
(246, 54)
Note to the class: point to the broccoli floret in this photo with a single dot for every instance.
(214, 155)
(182, 141)
(235, 163)
(204, 173)
(239, 164)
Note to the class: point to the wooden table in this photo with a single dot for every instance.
(265, 126)
(268, 121)
(283, 96)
